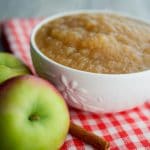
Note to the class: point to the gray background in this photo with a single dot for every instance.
(33, 8)
(36, 8)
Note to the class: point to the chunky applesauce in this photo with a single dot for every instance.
(100, 43)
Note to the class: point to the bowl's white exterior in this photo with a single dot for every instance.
(90, 91)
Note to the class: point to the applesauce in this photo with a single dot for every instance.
(99, 43)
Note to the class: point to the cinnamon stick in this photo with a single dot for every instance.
(88, 137)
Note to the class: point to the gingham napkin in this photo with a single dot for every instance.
(129, 130)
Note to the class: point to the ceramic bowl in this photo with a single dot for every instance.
(100, 93)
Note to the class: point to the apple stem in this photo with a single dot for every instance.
(34, 117)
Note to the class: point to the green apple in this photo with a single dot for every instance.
(10, 66)
(33, 115)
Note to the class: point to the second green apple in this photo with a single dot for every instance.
(10, 66)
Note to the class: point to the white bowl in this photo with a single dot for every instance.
(91, 91)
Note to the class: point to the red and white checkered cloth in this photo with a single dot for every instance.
(129, 130)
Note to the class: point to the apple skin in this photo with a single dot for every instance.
(20, 99)
(10, 66)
